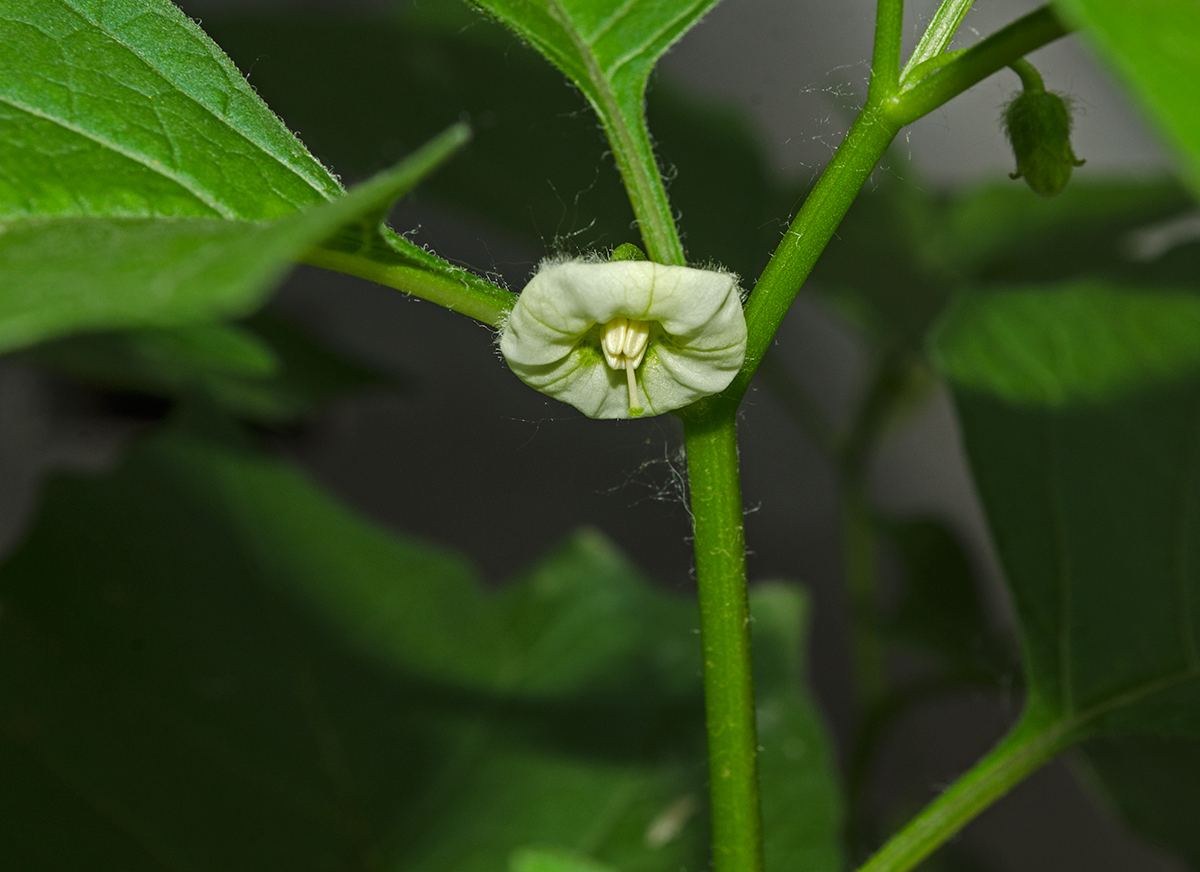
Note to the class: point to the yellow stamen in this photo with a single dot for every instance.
(624, 341)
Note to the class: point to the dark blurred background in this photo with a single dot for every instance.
(459, 452)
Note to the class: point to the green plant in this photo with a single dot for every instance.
(207, 662)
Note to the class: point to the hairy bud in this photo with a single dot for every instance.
(1038, 124)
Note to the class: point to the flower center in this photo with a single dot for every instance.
(623, 341)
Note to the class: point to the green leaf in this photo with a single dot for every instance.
(1155, 47)
(1154, 785)
(66, 274)
(1093, 512)
(608, 49)
(117, 116)
(208, 663)
(125, 108)
(1069, 343)
(265, 370)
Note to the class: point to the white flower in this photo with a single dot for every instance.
(626, 338)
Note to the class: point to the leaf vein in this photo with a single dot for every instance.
(200, 194)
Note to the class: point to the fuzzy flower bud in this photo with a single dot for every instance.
(626, 338)
(1038, 124)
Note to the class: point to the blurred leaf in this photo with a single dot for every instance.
(1068, 343)
(1006, 233)
(535, 166)
(940, 611)
(118, 108)
(1155, 47)
(70, 274)
(901, 254)
(209, 664)
(264, 371)
(802, 805)
(1154, 784)
(1093, 512)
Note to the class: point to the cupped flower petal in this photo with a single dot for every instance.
(626, 338)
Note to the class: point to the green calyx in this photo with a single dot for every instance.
(1038, 125)
(627, 251)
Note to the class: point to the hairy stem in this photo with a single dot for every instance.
(1031, 744)
(455, 289)
(634, 153)
(716, 504)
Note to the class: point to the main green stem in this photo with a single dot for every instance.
(716, 505)
(713, 475)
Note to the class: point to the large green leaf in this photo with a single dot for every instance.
(125, 108)
(134, 152)
(66, 274)
(209, 664)
(1093, 511)
(1155, 46)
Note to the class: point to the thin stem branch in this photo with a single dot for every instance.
(937, 36)
(1031, 79)
(852, 164)
(885, 59)
(1030, 745)
(716, 504)
(977, 63)
(455, 289)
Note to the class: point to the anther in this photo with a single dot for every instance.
(624, 341)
